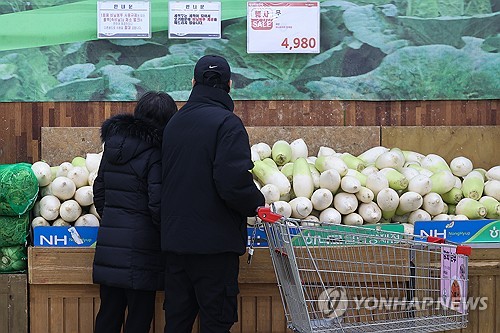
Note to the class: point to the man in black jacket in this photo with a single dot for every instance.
(207, 194)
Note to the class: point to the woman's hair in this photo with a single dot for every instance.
(155, 108)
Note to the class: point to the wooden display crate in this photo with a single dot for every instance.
(64, 300)
(13, 303)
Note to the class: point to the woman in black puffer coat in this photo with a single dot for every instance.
(128, 262)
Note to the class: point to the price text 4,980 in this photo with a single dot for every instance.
(299, 43)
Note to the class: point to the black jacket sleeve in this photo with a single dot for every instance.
(98, 189)
(232, 166)
(154, 188)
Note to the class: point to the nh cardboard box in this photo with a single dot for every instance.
(477, 232)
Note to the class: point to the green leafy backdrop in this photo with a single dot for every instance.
(370, 50)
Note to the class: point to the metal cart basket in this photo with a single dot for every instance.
(338, 278)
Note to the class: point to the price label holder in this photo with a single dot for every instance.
(283, 27)
(194, 19)
(123, 19)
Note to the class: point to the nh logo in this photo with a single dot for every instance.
(53, 240)
(433, 233)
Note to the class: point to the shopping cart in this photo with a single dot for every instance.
(338, 278)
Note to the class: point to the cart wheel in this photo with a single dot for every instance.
(333, 302)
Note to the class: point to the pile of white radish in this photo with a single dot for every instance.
(380, 185)
(66, 195)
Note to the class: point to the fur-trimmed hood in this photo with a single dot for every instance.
(124, 137)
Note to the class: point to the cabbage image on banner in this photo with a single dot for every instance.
(370, 50)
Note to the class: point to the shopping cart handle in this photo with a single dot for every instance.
(266, 215)
(437, 240)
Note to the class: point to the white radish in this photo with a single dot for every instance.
(60, 223)
(268, 175)
(303, 183)
(49, 207)
(371, 169)
(409, 173)
(493, 173)
(388, 201)
(321, 199)
(301, 207)
(350, 184)
(299, 149)
(409, 202)
(370, 212)
(283, 208)
(262, 149)
(492, 188)
(70, 210)
(365, 195)
(393, 158)
(471, 208)
(64, 167)
(87, 220)
(93, 211)
(330, 179)
(281, 152)
(418, 215)
(345, 203)
(395, 178)
(42, 172)
(63, 188)
(353, 219)
(271, 193)
(92, 161)
(325, 151)
(435, 163)
(39, 222)
(324, 163)
(84, 196)
(461, 166)
(442, 181)
(433, 204)
(376, 182)
(420, 184)
(413, 157)
(330, 215)
(79, 175)
(370, 156)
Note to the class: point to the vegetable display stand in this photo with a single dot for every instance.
(13, 303)
(62, 298)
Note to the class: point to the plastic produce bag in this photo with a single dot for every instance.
(13, 259)
(14, 230)
(18, 189)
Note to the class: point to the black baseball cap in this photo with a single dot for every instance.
(212, 63)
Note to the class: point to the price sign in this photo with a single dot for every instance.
(453, 280)
(123, 19)
(283, 27)
(194, 19)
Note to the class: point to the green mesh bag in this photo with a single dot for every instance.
(14, 230)
(13, 259)
(18, 189)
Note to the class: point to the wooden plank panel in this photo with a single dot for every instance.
(71, 314)
(60, 265)
(487, 316)
(87, 311)
(13, 303)
(478, 143)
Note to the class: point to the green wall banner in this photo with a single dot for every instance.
(369, 50)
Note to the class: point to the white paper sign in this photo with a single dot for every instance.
(123, 19)
(283, 27)
(194, 19)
